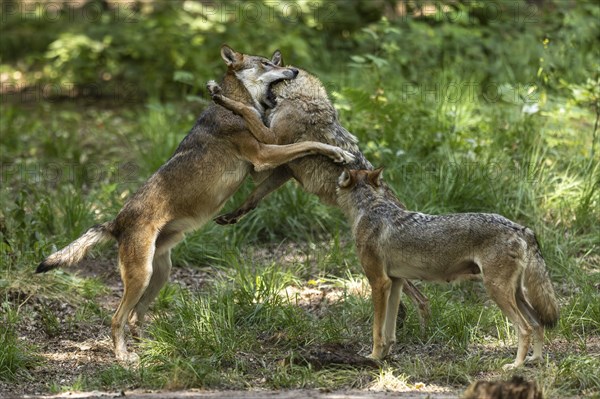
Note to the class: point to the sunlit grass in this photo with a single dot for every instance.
(287, 278)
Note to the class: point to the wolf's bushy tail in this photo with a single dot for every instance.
(76, 250)
(540, 292)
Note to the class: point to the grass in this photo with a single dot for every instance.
(286, 281)
(243, 330)
(15, 357)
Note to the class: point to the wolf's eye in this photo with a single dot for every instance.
(265, 63)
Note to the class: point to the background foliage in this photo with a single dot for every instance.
(471, 106)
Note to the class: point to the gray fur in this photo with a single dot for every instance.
(395, 243)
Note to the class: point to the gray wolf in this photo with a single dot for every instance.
(394, 244)
(209, 166)
(299, 110)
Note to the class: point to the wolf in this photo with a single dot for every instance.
(294, 111)
(208, 166)
(395, 244)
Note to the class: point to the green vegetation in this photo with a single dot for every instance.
(488, 107)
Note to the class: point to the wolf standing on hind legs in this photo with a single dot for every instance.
(394, 243)
(209, 166)
(298, 110)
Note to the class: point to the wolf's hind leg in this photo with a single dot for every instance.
(505, 298)
(534, 321)
(420, 301)
(161, 269)
(538, 343)
(135, 261)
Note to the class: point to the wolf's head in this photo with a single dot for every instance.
(257, 74)
(358, 190)
(351, 179)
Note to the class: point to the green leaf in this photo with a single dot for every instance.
(184, 77)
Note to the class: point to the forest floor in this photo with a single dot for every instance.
(86, 349)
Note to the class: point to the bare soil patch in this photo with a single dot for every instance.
(75, 349)
(78, 349)
(292, 394)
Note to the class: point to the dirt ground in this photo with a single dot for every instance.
(84, 349)
(293, 394)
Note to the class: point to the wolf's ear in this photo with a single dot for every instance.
(277, 58)
(375, 177)
(229, 55)
(345, 180)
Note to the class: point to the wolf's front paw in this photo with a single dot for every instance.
(511, 366)
(533, 359)
(348, 157)
(214, 89)
(377, 353)
(128, 358)
(341, 156)
(374, 357)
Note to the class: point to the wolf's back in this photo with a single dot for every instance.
(76, 250)
(540, 292)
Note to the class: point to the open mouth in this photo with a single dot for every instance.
(270, 97)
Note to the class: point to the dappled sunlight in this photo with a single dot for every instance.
(471, 107)
(318, 293)
(388, 379)
(391, 379)
(564, 190)
(97, 351)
